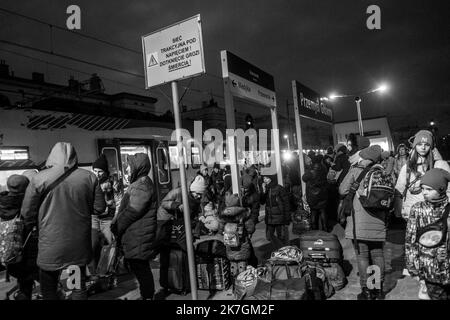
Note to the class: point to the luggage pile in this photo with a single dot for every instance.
(309, 270)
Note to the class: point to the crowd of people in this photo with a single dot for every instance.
(69, 213)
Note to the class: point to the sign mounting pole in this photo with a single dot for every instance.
(298, 129)
(184, 192)
(170, 54)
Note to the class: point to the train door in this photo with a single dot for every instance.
(161, 169)
(111, 149)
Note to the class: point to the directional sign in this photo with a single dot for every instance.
(173, 53)
(309, 104)
(248, 81)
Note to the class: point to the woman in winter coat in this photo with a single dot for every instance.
(26, 271)
(317, 193)
(250, 198)
(422, 158)
(368, 231)
(135, 224)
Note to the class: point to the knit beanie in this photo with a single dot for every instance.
(17, 183)
(436, 178)
(203, 167)
(423, 136)
(198, 185)
(101, 163)
(216, 166)
(372, 153)
(362, 142)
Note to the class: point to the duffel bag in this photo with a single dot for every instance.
(335, 275)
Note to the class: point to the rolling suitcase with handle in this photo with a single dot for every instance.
(320, 246)
(178, 273)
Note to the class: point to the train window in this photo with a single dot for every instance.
(195, 157)
(113, 160)
(162, 165)
(14, 153)
(173, 156)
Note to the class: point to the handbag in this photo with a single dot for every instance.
(108, 260)
(435, 234)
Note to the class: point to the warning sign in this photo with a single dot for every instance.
(152, 59)
(173, 53)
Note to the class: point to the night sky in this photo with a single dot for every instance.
(324, 44)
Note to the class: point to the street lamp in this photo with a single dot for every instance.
(382, 88)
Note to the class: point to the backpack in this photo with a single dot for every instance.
(378, 189)
(11, 240)
(233, 234)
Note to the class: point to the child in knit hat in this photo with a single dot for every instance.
(427, 253)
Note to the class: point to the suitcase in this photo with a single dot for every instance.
(178, 273)
(213, 274)
(320, 246)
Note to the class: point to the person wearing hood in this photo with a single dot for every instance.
(25, 271)
(368, 229)
(135, 224)
(101, 224)
(277, 207)
(317, 193)
(171, 210)
(63, 217)
(401, 158)
(216, 178)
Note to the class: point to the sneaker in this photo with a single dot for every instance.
(406, 273)
(423, 292)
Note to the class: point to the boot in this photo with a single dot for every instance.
(364, 295)
(378, 294)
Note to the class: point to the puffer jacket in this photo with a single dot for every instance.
(316, 186)
(430, 264)
(277, 204)
(135, 224)
(410, 199)
(368, 227)
(64, 217)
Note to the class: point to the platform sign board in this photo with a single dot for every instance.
(173, 53)
(247, 80)
(310, 106)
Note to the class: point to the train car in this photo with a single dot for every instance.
(28, 134)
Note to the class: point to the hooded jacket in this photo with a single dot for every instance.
(135, 224)
(63, 217)
(316, 186)
(277, 204)
(368, 227)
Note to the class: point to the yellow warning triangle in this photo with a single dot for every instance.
(153, 61)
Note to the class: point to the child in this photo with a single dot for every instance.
(429, 258)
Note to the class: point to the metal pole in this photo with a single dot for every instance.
(184, 192)
(289, 121)
(299, 134)
(276, 143)
(289, 147)
(358, 109)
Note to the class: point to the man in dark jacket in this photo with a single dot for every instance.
(278, 216)
(135, 223)
(63, 218)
